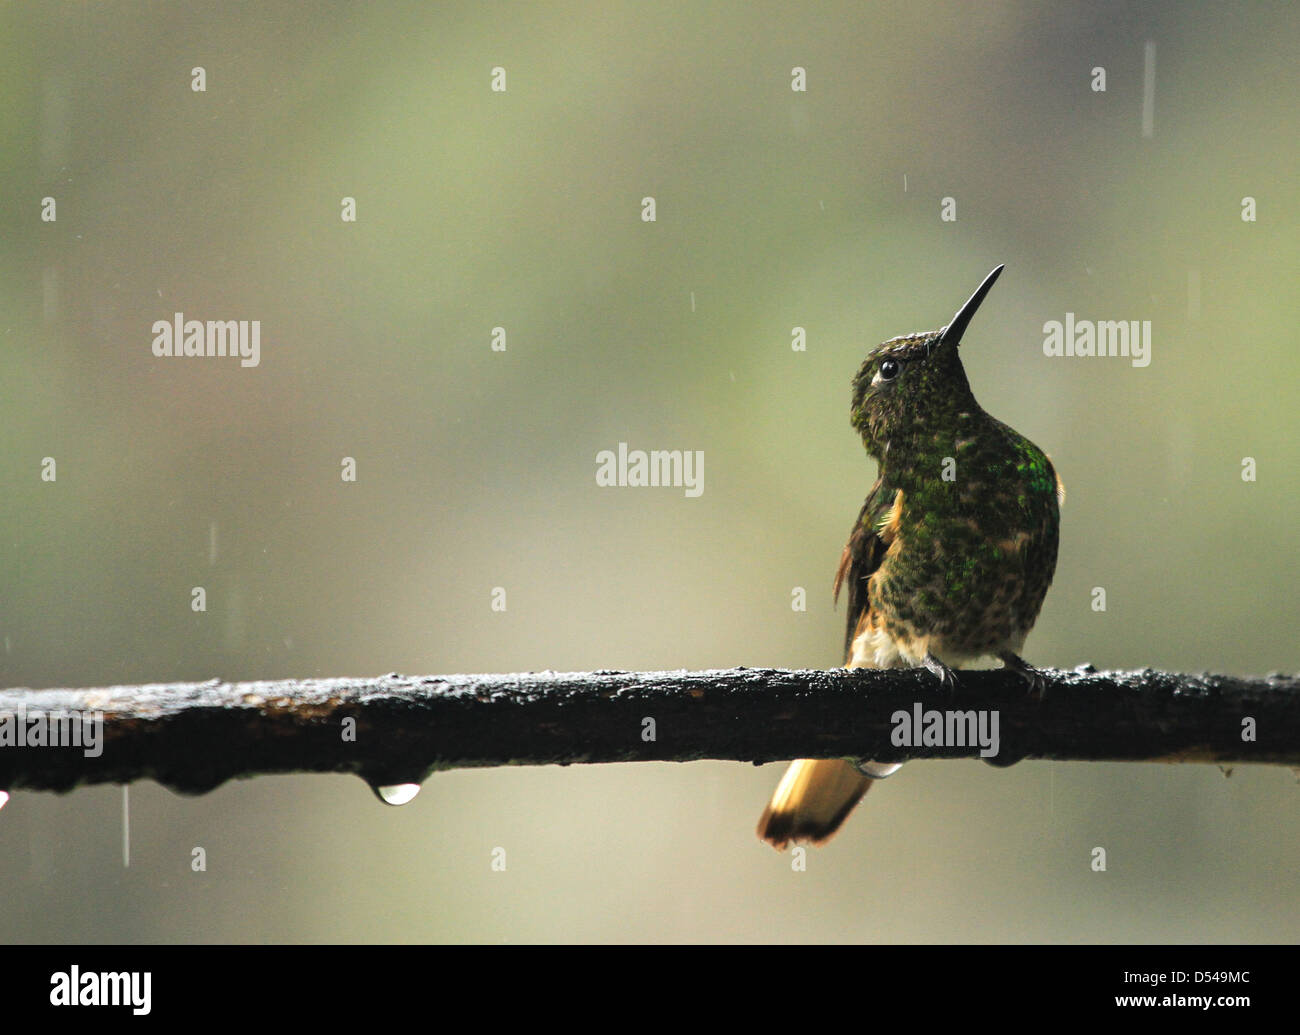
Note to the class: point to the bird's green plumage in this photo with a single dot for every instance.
(951, 554)
(960, 563)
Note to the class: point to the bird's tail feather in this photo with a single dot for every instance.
(816, 795)
(811, 801)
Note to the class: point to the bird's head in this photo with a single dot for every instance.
(908, 383)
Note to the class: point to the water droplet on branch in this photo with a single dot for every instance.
(396, 793)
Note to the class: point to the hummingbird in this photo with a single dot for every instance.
(950, 557)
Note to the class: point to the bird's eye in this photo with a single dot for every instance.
(889, 369)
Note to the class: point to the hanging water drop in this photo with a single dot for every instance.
(396, 793)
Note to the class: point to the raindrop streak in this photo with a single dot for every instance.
(126, 825)
(396, 793)
(1149, 90)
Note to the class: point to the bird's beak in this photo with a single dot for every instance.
(954, 331)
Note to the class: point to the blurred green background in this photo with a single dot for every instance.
(522, 209)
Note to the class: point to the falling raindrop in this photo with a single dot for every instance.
(396, 793)
(126, 824)
(49, 294)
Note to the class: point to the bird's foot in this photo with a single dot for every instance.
(1036, 680)
(946, 676)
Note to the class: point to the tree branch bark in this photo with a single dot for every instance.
(192, 737)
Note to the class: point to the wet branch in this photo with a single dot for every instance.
(397, 729)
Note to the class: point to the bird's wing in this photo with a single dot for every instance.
(870, 538)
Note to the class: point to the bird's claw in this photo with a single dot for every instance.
(946, 676)
(1036, 680)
